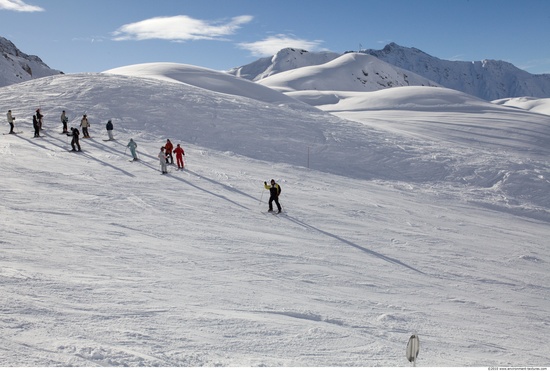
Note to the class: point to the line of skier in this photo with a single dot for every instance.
(73, 132)
(165, 154)
(38, 120)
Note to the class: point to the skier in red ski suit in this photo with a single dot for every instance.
(179, 156)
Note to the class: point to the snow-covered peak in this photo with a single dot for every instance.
(16, 66)
(487, 79)
(285, 60)
(348, 72)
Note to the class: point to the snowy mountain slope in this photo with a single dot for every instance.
(393, 230)
(16, 66)
(451, 123)
(284, 60)
(487, 79)
(350, 72)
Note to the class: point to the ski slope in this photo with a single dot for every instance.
(425, 216)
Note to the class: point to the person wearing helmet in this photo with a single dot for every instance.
(274, 192)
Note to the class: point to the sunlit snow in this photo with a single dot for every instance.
(413, 210)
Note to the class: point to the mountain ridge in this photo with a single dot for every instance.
(487, 79)
(17, 66)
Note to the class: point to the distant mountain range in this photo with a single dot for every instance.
(487, 79)
(16, 66)
(367, 70)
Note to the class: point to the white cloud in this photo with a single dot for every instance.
(179, 28)
(273, 44)
(19, 6)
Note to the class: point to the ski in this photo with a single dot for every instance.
(14, 133)
(274, 213)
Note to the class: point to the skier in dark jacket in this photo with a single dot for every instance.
(109, 128)
(274, 192)
(36, 126)
(75, 142)
(11, 121)
(39, 117)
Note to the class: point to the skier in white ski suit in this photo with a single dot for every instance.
(162, 159)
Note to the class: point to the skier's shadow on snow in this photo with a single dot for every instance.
(352, 244)
(91, 143)
(209, 192)
(231, 189)
(36, 142)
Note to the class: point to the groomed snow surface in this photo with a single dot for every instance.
(427, 214)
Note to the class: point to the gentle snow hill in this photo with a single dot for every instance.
(221, 121)
(350, 72)
(202, 78)
(413, 98)
(460, 131)
(104, 262)
(537, 105)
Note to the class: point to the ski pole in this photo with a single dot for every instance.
(262, 197)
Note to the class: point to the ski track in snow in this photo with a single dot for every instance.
(108, 263)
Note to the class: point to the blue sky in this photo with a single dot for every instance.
(96, 35)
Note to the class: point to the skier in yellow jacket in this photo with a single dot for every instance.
(274, 192)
